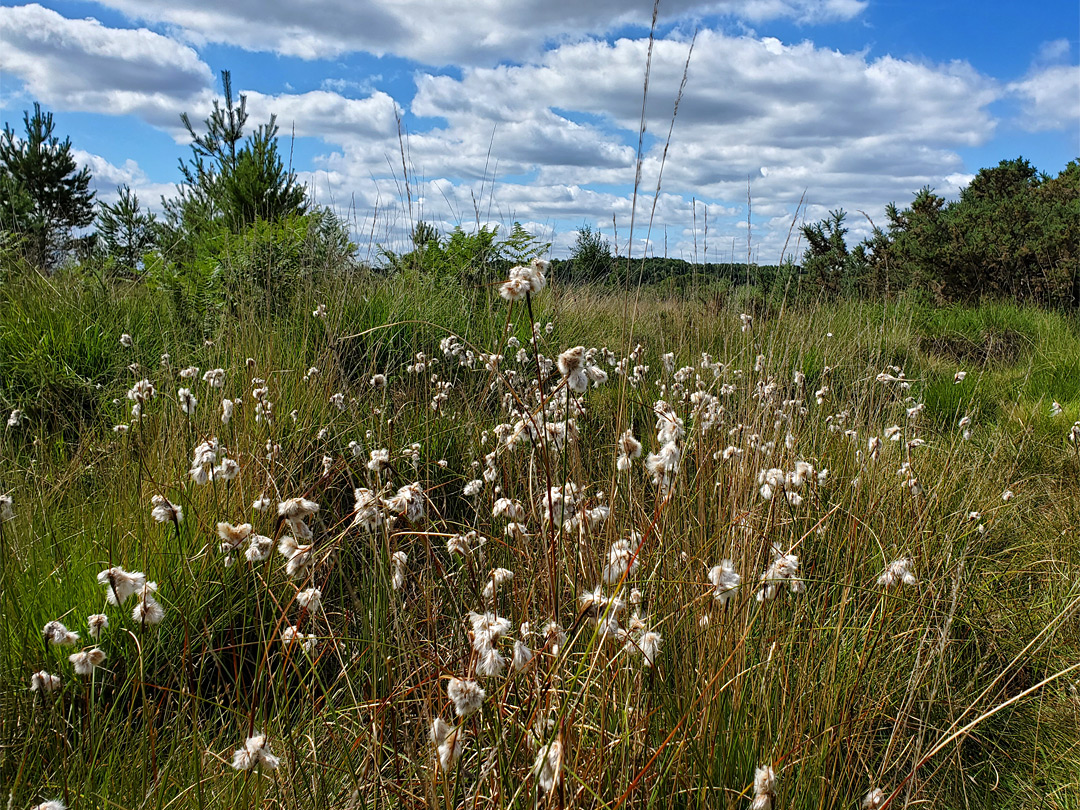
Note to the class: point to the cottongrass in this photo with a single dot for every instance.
(98, 623)
(87, 661)
(163, 511)
(765, 784)
(898, 572)
(448, 745)
(57, 634)
(548, 765)
(423, 539)
(466, 695)
(255, 753)
(147, 610)
(44, 682)
(874, 799)
(120, 585)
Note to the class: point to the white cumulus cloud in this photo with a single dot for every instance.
(327, 115)
(1050, 98)
(439, 32)
(106, 177)
(85, 66)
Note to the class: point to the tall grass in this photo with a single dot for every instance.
(956, 691)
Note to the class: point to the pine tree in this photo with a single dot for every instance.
(591, 258)
(230, 178)
(126, 231)
(43, 194)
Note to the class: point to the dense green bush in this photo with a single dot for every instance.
(261, 267)
(477, 257)
(1013, 233)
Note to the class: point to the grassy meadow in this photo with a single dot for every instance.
(424, 561)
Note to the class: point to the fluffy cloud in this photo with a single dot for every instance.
(107, 177)
(437, 32)
(553, 141)
(741, 90)
(327, 115)
(1049, 98)
(754, 110)
(83, 65)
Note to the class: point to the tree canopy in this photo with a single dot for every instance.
(232, 179)
(1013, 233)
(43, 193)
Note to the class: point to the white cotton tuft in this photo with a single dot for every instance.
(548, 765)
(57, 634)
(398, 561)
(522, 656)
(44, 683)
(97, 623)
(784, 569)
(765, 782)
(725, 581)
(256, 752)
(496, 579)
(466, 695)
(87, 661)
(447, 744)
(623, 559)
(147, 609)
(898, 572)
(310, 599)
(163, 511)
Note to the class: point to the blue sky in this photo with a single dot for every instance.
(529, 109)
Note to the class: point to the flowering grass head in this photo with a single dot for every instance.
(255, 753)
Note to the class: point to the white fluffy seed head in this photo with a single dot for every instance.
(255, 752)
(466, 695)
(44, 683)
(874, 799)
(87, 661)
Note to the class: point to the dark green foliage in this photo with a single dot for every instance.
(466, 255)
(591, 259)
(262, 268)
(1014, 233)
(232, 180)
(423, 233)
(259, 187)
(43, 194)
(477, 258)
(521, 247)
(666, 275)
(826, 261)
(240, 233)
(126, 231)
(916, 241)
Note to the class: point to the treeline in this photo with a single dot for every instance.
(592, 261)
(677, 275)
(1014, 233)
(239, 224)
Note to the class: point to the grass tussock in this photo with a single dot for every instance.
(837, 574)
